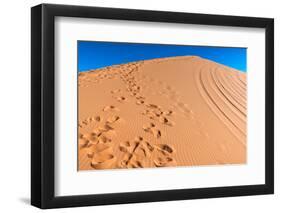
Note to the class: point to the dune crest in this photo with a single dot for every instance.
(177, 111)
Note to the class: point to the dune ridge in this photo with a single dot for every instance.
(176, 111)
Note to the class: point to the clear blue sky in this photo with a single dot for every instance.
(93, 55)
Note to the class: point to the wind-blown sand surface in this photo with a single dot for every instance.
(177, 111)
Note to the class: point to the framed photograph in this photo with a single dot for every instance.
(139, 106)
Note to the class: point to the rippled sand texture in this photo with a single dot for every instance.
(178, 111)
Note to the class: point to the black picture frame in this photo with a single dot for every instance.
(43, 111)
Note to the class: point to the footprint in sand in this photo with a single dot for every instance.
(166, 121)
(87, 140)
(115, 91)
(164, 148)
(168, 112)
(136, 88)
(98, 135)
(140, 102)
(113, 119)
(154, 112)
(110, 108)
(140, 153)
(164, 162)
(163, 156)
(120, 99)
(101, 156)
(88, 121)
(133, 94)
(83, 142)
(104, 128)
(139, 97)
(135, 154)
(97, 118)
(150, 128)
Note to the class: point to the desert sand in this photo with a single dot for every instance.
(176, 111)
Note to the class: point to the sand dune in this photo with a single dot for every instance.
(178, 111)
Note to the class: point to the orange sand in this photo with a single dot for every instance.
(178, 111)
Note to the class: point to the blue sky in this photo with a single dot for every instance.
(93, 55)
